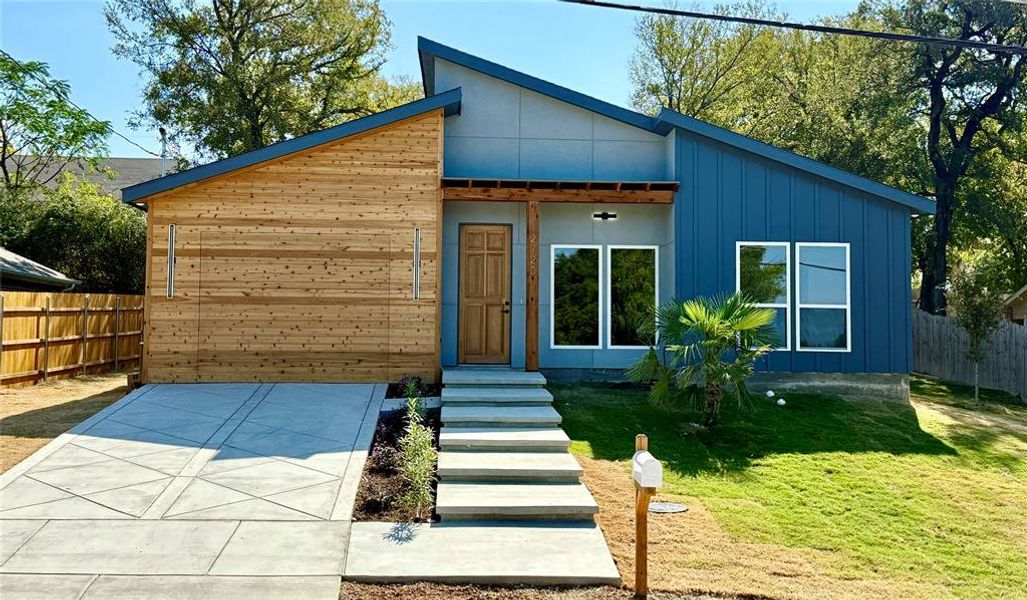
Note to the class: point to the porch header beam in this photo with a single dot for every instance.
(641, 192)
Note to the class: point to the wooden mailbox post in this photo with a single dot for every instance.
(648, 475)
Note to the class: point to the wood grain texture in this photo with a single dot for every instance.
(484, 294)
(531, 288)
(53, 335)
(302, 269)
(554, 195)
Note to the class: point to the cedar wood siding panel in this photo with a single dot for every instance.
(729, 195)
(301, 268)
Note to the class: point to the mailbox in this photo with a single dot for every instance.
(648, 471)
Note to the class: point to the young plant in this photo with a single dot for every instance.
(709, 347)
(417, 463)
(978, 310)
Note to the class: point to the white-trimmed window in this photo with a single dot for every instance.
(824, 308)
(633, 289)
(763, 271)
(575, 296)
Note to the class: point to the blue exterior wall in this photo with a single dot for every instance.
(507, 132)
(728, 195)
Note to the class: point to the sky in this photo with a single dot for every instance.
(583, 48)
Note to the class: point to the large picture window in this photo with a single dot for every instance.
(824, 309)
(576, 302)
(762, 270)
(632, 289)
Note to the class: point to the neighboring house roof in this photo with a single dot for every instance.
(662, 124)
(449, 101)
(23, 270)
(128, 172)
(1016, 296)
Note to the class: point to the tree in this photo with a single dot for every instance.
(972, 100)
(978, 310)
(81, 232)
(710, 347)
(234, 75)
(701, 68)
(41, 131)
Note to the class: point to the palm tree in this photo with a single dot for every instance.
(707, 349)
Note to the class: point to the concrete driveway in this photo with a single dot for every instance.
(191, 490)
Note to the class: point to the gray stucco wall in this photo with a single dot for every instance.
(559, 223)
(505, 131)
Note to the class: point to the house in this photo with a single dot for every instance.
(507, 220)
(20, 274)
(1015, 306)
(116, 173)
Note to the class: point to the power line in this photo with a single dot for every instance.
(46, 83)
(885, 35)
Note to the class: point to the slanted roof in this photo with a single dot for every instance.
(1015, 296)
(448, 101)
(428, 49)
(725, 136)
(662, 124)
(18, 268)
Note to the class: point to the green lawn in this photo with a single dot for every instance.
(932, 492)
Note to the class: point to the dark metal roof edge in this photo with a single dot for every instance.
(426, 47)
(449, 101)
(915, 202)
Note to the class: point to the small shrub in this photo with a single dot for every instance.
(384, 459)
(418, 457)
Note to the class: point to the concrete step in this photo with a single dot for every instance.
(478, 377)
(549, 501)
(484, 552)
(488, 396)
(500, 415)
(509, 466)
(536, 439)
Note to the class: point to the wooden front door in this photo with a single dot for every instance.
(484, 294)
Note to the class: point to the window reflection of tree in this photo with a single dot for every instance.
(632, 294)
(576, 297)
(763, 279)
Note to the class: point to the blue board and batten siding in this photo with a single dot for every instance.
(728, 195)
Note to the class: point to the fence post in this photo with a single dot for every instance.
(85, 333)
(117, 328)
(46, 337)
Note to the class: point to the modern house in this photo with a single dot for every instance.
(507, 220)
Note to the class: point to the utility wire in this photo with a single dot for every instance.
(46, 83)
(885, 35)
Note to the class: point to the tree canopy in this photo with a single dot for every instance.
(41, 131)
(944, 122)
(230, 76)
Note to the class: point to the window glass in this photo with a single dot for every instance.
(822, 328)
(575, 296)
(632, 295)
(763, 273)
(823, 303)
(822, 275)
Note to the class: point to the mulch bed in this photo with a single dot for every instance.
(382, 484)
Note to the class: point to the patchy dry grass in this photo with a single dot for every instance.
(822, 498)
(432, 591)
(31, 416)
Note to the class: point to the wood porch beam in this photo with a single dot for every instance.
(531, 274)
(504, 194)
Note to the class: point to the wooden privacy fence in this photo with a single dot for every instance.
(939, 349)
(45, 335)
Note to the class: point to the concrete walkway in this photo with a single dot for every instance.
(192, 491)
(512, 508)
